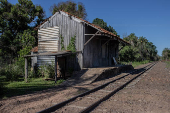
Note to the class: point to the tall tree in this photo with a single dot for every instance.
(102, 24)
(166, 53)
(140, 49)
(132, 39)
(142, 41)
(14, 20)
(70, 7)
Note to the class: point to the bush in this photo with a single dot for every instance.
(31, 74)
(60, 81)
(12, 72)
(136, 63)
(2, 71)
(47, 70)
(168, 64)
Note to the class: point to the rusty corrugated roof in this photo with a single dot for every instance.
(35, 49)
(55, 53)
(95, 26)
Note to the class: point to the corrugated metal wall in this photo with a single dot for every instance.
(48, 40)
(42, 60)
(68, 27)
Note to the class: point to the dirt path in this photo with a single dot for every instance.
(38, 101)
(150, 93)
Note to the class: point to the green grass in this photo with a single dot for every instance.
(135, 64)
(168, 64)
(16, 88)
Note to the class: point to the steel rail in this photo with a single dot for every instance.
(91, 107)
(62, 104)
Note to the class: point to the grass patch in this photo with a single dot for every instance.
(168, 64)
(16, 88)
(135, 64)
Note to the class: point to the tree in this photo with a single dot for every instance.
(27, 42)
(14, 20)
(128, 53)
(142, 41)
(70, 7)
(166, 53)
(102, 24)
(151, 51)
(132, 39)
(140, 49)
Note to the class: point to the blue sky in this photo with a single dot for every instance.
(148, 18)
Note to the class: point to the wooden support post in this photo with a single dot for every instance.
(106, 42)
(91, 37)
(26, 69)
(121, 48)
(56, 69)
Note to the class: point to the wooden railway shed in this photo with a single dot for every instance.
(96, 46)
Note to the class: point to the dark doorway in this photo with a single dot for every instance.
(61, 67)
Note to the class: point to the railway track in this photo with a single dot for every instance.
(87, 101)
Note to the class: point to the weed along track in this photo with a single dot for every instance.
(89, 100)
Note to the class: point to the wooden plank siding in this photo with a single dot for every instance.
(68, 27)
(94, 54)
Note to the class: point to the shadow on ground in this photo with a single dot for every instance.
(75, 79)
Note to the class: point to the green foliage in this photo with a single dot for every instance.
(70, 7)
(166, 54)
(72, 46)
(140, 49)
(31, 74)
(14, 20)
(102, 24)
(62, 42)
(47, 70)
(27, 42)
(168, 64)
(16, 88)
(136, 63)
(127, 53)
(11, 72)
(60, 81)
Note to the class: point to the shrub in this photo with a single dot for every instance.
(12, 72)
(60, 81)
(47, 70)
(168, 64)
(72, 46)
(2, 71)
(31, 74)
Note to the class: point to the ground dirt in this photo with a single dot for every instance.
(150, 93)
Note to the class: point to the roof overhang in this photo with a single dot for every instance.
(58, 53)
(80, 20)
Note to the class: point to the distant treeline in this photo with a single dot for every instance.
(17, 34)
(140, 49)
(166, 54)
